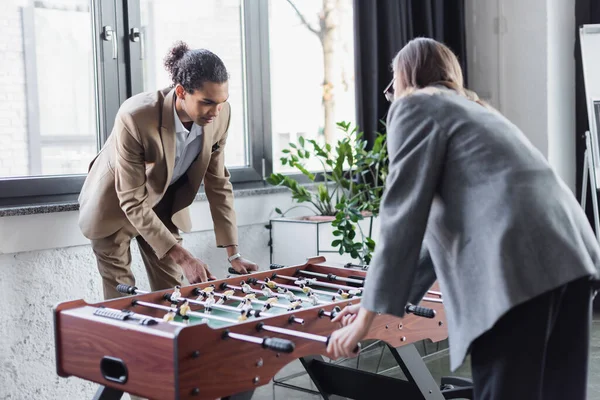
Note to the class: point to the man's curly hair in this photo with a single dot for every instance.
(191, 68)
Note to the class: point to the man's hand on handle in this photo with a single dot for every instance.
(243, 266)
(194, 269)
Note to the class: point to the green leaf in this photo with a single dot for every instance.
(336, 243)
(301, 141)
(278, 211)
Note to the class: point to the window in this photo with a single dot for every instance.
(312, 62)
(69, 64)
(221, 32)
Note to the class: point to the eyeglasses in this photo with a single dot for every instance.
(389, 92)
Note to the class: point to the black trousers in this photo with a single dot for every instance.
(538, 350)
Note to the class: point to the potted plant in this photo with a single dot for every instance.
(344, 197)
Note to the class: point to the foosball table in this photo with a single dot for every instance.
(228, 336)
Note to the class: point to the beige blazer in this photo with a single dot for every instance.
(132, 171)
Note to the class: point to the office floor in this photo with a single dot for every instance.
(438, 366)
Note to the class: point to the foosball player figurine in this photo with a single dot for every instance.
(271, 284)
(267, 292)
(246, 312)
(295, 305)
(305, 281)
(344, 295)
(245, 287)
(288, 293)
(169, 316)
(175, 296)
(209, 301)
(268, 303)
(225, 296)
(307, 291)
(246, 301)
(314, 299)
(183, 311)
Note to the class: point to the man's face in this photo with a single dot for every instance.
(204, 105)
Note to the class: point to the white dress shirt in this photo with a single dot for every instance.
(188, 146)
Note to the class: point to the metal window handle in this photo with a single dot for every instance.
(108, 34)
(135, 35)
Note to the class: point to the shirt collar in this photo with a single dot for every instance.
(179, 128)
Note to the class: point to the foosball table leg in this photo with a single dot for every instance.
(107, 393)
(333, 381)
(416, 372)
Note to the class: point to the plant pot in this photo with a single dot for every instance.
(294, 239)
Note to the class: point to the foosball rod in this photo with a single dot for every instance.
(275, 344)
(310, 282)
(134, 290)
(294, 288)
(279, 295)
(303, 335)
(238, 298)
(221, 307)
(331, 277)
(190, 313)
(128, 315)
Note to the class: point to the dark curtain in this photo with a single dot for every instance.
(382, 28)
(586, 12)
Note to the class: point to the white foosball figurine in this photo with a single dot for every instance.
(305, 281)
(245, 287)
(289, 295)
(209, 301)
(268, 292)
(175, 296)
(314, 300)
(247, 301)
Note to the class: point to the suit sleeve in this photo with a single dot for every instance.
(416, 148)
(130, 184)
(219, 193)
(424, 277)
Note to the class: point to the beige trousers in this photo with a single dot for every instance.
(113, 255)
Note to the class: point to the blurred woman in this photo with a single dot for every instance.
(470, 200)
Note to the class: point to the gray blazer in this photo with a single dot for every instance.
(498, 224)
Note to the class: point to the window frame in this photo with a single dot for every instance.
(123, 16)
(35, 189)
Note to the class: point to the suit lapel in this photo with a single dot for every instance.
(167, 132)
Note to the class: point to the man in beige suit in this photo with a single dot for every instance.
(162, 146)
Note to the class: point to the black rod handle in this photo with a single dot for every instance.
(126, 289)
(420, 311)
(233, 271)
(279, 345)
(276, 266)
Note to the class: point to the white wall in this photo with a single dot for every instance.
(44, 260)
(521, 60)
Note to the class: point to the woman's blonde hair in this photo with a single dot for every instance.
(425, 62)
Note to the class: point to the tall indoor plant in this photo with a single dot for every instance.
(349, 185)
